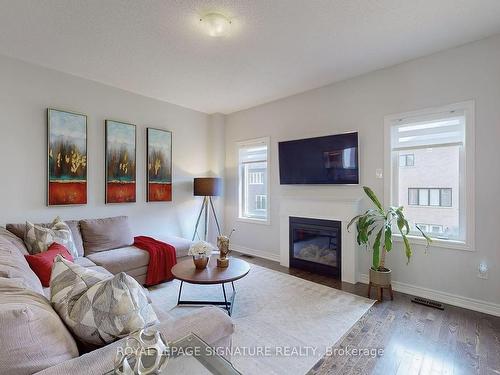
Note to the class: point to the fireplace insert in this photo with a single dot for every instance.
(315, 245)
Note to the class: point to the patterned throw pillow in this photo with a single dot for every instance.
(38, 239)
(99, 308)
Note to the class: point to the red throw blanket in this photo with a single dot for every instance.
(162, 258)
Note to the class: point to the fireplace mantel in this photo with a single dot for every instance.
(327, 208)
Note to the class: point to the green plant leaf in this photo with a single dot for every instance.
(388, 238)
(357, 217)
(376, 249)
(370, 231)
(407, 248)
(369, 192)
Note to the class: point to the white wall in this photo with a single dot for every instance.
(27, 90)
(217, 166)
(468, 72)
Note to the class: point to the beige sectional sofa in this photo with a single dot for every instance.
(34, 339)
(108, 243)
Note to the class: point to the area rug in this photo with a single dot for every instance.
(283, 324)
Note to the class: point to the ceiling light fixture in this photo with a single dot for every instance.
(216, 24)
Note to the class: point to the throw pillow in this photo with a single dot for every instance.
(98, 308)
(38, 239)
(41, 263)
(106, 234)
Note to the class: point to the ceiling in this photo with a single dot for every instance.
(276, 47)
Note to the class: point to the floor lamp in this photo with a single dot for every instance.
(206, 187)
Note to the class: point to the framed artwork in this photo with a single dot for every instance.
(159, 165)
(120, 162)
(66, 158)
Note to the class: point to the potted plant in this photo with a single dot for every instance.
(376, 225)
(201, 251)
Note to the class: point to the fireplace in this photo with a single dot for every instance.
(315, 245)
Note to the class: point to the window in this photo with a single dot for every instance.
(256, 178)
(253, 180)
(430, 228)
(407, 160)
(437, 197)
(261, 202)
(437, 192)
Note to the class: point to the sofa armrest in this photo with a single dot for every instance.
(210, 323)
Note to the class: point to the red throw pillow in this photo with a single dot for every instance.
(41, 263)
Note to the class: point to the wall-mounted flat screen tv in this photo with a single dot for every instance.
(332, 159)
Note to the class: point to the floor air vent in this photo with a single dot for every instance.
(428, 302)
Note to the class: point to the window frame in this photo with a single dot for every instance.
(467, 178)
(249, 143)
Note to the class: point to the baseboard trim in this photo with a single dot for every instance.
(254, 252)
(451, 299)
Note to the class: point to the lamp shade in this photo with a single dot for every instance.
(207, 186)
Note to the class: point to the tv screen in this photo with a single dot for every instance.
(331, 159)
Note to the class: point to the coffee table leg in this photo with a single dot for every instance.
(180, 291)
(227, 304)
(225, 299)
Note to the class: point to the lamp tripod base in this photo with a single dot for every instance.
(205, 210)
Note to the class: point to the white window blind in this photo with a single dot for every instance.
(436, 130)
(253, 153)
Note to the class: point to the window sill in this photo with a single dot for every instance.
(446, 244)
(254, 221)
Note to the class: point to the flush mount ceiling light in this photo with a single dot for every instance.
(216, 24)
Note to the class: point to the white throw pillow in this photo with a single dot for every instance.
(96, 307)
(38, 239)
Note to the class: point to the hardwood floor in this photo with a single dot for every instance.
(415, 339)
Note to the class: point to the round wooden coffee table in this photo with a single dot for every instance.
(185, 271)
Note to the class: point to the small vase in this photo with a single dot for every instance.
(200, 261)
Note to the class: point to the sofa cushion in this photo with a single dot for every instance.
(84, 262)
(20, 229)
(41, 263)
(33, 336)
(100, 269)
(181, 244)
(121, 260)
(105, 234)
(38, 239)
(99, 311)
(138, 272)
(14, 265)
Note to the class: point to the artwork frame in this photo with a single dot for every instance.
(159, 166)
(67, 173)
(120, 168)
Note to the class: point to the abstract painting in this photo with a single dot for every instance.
(159, 166)
(120, 162)
(67, 158)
